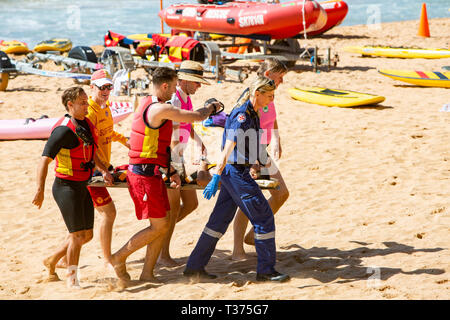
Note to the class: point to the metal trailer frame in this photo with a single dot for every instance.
(27, 67)
(114, 59)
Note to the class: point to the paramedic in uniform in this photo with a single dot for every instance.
(240, 151)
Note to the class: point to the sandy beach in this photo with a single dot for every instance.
(368, 212)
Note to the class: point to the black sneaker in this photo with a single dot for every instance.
(274, 276)
(201, 274)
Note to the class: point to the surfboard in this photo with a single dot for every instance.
(420, 78)
(13, 46)
(54, 44)
(390, 52)
(334, 97)
(41, 128)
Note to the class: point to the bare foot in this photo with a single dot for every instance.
(249, 239)
(49, 264)
(168, 262)
(120, 269)
(239, 256)
(148, 278)
(52, 278)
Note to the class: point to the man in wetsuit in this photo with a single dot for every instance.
(73, 143)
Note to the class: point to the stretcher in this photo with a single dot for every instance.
(98, 181)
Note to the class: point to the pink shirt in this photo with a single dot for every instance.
(184, 132)
(267, 117)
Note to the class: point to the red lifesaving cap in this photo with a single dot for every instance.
(101, 77)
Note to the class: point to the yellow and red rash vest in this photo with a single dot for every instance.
(69, 161)
(149, 145)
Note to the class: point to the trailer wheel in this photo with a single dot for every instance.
(292, 46)
(4, 77)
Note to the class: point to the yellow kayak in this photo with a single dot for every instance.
(334, 97)
(420, 78)
(55, 44)
(14, 46)
(390, 52)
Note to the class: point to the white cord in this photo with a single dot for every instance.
(304, 21)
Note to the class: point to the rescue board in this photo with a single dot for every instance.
(334, 97)
(54, 44)
(390, 52)
(420, 78)
(13, 46)
(41, 128)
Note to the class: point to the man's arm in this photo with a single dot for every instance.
(40, 179)
(200, 146)
(162, 111)
(107, 177)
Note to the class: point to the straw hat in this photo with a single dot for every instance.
(191, 71)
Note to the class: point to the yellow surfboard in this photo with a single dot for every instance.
(390, 52)
(334, 97)
(14, 46)
(54, 44)
(420, 78)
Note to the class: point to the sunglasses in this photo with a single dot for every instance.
(105, 87)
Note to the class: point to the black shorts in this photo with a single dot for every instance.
(75, 203)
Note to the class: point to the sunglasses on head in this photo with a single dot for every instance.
(270, 83)
(105, 87)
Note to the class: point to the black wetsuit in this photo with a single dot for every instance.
(72, 197)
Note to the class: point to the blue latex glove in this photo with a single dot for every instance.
(208, 122)
(211, 188)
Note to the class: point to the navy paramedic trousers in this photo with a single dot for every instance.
(238, 189)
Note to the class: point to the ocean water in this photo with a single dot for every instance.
(85, 22)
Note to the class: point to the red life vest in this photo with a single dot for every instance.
(149, 145)
(181, 48)
(70, 162)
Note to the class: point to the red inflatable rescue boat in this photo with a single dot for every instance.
(252, 19)
(336, 11)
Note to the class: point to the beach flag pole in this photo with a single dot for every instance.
(162, 21)
(424, 30)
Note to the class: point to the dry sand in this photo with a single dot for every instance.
(368, 213)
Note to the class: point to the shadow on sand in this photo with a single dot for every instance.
(320, 263)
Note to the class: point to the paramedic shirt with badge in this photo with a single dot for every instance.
(243, 127)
